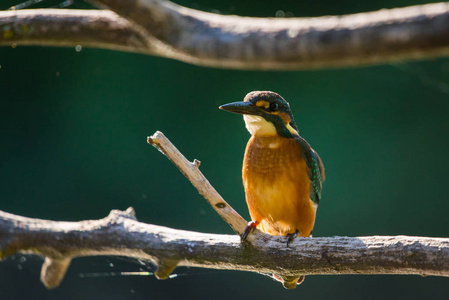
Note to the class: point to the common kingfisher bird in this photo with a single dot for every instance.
(282, 175)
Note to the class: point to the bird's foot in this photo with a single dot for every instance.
(291, 237)
(250, 228)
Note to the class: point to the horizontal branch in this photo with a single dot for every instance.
(69, 28)
(162, 28)
(121, 234)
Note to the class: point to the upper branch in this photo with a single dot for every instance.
(159, 27)
(63, 27)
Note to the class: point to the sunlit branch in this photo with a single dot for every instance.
(121, 234)
(162, 28)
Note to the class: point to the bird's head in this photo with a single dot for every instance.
(265, 113)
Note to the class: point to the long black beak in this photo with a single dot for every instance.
(242, 107)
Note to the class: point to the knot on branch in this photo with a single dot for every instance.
(196, 163)
(116, 216)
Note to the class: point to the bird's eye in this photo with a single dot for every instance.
(274, 106)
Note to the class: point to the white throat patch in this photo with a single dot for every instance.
(258, 126)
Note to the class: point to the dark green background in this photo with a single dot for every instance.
(73, 146)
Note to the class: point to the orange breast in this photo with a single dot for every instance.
(277, 186)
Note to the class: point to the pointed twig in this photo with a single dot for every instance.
(194, 175)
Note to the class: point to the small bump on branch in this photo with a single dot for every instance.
(116, 214)
(196, 163)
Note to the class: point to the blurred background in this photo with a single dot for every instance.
(73, 128)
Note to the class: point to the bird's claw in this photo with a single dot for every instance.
(250, 228)
(291, 237)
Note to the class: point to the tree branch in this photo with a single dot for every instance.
(162, 28)
(193, 174)
(121, 234)
(68, 28)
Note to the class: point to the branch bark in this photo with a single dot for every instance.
(162, 28)
(68, 28)
(121, 234)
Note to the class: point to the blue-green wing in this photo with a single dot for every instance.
(316, 175)
(316, 170)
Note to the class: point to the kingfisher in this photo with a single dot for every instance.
(282, 175)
